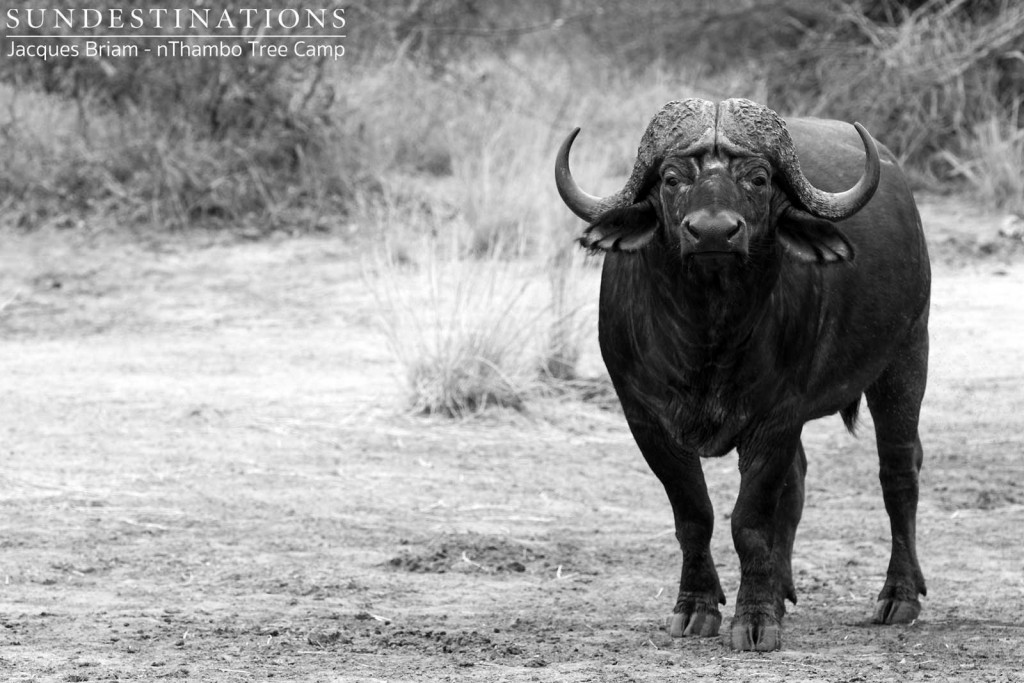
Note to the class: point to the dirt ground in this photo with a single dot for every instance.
(206, 478)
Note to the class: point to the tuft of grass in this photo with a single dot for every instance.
(992, 161)
(462, 330)
(472, 333)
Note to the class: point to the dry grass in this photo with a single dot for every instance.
(176, 148)
(992, 161)
(919, 84)
(472, 333)
(463, 331)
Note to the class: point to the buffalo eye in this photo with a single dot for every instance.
(672, 179)
(758, 180)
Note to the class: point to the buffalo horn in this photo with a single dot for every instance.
(584, 205)
(755, 127)
(839, 205)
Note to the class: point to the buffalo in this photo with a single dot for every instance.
(760, 273)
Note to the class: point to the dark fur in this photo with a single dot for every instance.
(710, 354)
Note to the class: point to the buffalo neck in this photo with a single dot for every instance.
(717, 301)
(691, 345)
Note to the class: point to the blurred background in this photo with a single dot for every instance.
(451, 106)
(432, 139)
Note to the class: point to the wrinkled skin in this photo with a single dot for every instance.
(730, 315)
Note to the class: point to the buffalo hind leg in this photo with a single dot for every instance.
(895, 403)
(696, 611)
(764, 523)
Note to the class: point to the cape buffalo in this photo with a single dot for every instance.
(744, 292)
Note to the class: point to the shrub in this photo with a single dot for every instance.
(919, 80)
(182, 141)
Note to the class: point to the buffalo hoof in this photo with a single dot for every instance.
(894, 611)
(758, 633)
(698, 623)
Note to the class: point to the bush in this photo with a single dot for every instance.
(184, 141)
(920, 79)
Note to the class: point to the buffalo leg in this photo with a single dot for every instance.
(895, 403)
(696, 611)
(791, 506)
(763, 527)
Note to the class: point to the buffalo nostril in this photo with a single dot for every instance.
(708, 230)
(713, 229)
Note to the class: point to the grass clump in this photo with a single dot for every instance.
(474, 333)
(991, 160)
(463, 331)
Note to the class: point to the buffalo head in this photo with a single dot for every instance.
(719, 179)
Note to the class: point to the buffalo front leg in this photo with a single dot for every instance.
(696, 611)
(764, 523)
(895, 404)
(791, 507)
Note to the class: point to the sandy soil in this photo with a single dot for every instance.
(206, 479)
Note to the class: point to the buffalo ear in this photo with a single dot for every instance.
(627, 229)
(812, 240)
